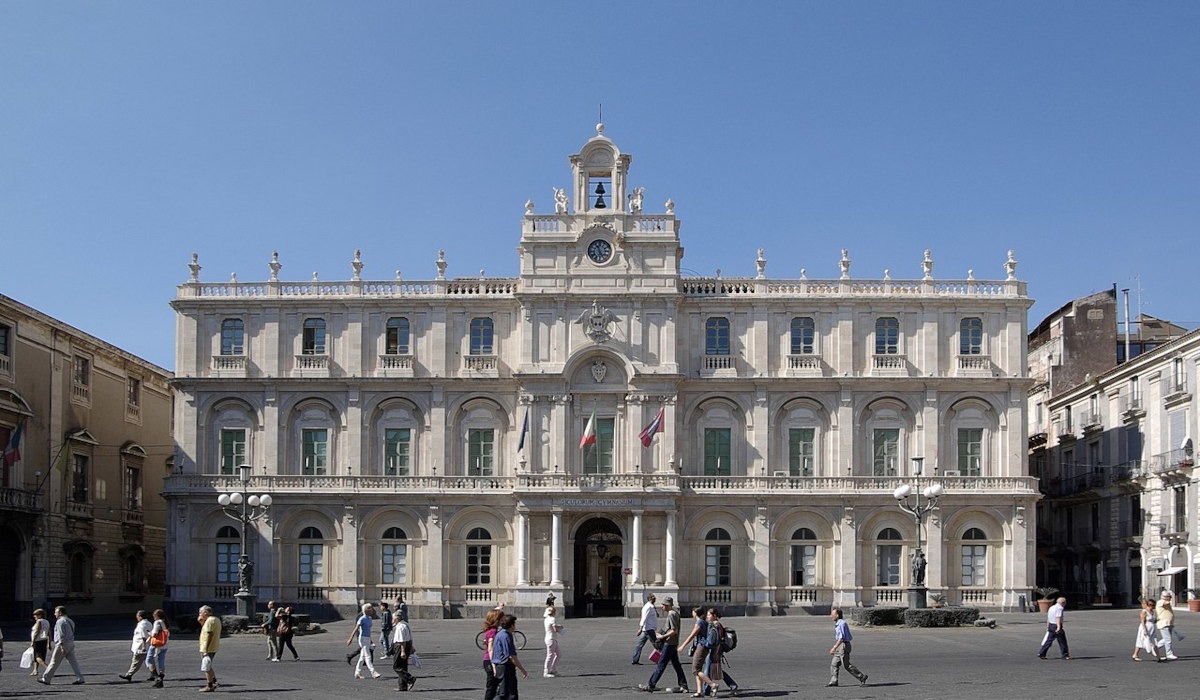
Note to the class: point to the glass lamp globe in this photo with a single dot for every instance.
(253, 501)
(265, 500)
(235, 498)
(902, 492)
(223, 499)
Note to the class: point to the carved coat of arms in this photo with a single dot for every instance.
(596, 322)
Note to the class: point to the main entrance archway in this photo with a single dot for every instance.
(598, 566)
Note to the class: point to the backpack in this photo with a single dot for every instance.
(728, 640)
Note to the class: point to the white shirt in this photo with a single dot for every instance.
(649, 621)
(402, 633)
(141, 637)
(1054, 615)
(551, 625)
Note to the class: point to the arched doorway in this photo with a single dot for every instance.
(10, 560)
(599, 562)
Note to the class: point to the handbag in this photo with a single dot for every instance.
(159, 639)
(655, 655)
(283, 628)
(414, 661)
(27, 658)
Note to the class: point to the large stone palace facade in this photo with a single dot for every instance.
(602, 427)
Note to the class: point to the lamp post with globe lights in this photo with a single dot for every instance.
(244, 508)
(917, 590)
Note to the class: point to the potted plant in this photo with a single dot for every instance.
(1046, 596)
(1193, 599)
(937, 600)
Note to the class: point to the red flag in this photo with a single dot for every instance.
(12, 451)
(656, 426)
(589, 432)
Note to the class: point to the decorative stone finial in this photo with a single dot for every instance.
(529, 206)
(761, 263)
(887, 274)
(635, 200)
(600, 129)
(316, 277)
(718, 273)
(670, 205)
(194, 266)
(233, 277)
(845, 264)
(803, 274)
(441, 264)
(357, 264)
(971, 274)
(275, 265)
(398, 277)
(1010, 266)
(927, 265)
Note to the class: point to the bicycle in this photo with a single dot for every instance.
(518, 639)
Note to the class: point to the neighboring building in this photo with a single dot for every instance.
(423, 437)
(81, 523)
(1112, 445)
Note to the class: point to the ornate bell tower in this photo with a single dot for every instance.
(600, 171)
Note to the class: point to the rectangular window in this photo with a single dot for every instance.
(886, 445)
(233, 450)
(887, 336)
(134, 398)
(804, 565)
(970, 451)
(79, 478)
(716, 336)
(395, 564)
(5, 340)
(314, 336)
(479, 564)
(396, 340)
(312, 564)
(1135, 514)
(717, 565)
(316, 451)
(974, 565)
(717, 452)
(132, 488)
(970, 336)
(233, 337)
(227, 556)
(481, 452)
(82, 375)
(396, 450)
(888, 556)
(1180, 509)
(803, 336)
(598, 458)
(800, 451)
(482, 336)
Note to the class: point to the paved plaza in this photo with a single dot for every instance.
(776, 658)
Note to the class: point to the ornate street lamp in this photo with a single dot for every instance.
(245, 509)
(917, 590)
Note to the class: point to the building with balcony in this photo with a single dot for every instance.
(86, 430)
(603, 427)
(1112, 444)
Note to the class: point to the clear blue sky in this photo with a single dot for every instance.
(133, 133)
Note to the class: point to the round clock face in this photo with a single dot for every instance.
(599, 250)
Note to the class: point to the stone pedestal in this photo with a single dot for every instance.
(917, 597)
(245, 604)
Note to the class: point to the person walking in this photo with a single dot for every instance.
(1166, 624)
(491, 626)
(505, 663)
(270, 628)
(402, 648)
(1147, 633)
(39, 639)
(841, 651)
(286, 630)
(64, 648)
(140, 646)
(647, 624)
(668, 634)
(210, 641)
(362, 631)
(160, 635)
(710, 647)
(1055, 630)
(402, 608)
(385, 629)
(550, 623)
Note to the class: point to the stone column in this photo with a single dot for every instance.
(636, 558)
(556, 548)
(670, 548)
(522, 555)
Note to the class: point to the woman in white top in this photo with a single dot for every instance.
(550, 622)
(39, 639)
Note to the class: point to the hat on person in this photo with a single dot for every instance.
(669, 601)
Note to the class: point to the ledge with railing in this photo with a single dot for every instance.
(20, 499)
(1178, 461)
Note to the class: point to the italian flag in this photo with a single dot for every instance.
(589, 432)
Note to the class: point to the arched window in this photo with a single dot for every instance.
(803, 336)
(229, 548)
(804, 557)
(394, 564)
(970, 336)
(887, 335)
(716, 336)
(482, 337)
(887, 557)
(233, 336)
(718, 563)
(479, 557)
(974, 558)
(396, 337)
(314, 337)
(311, 557)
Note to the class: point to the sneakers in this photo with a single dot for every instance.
(124, 677)
(831, 684)
(77, 682)
(680, 689)
(1172, 657)
(863, 682)
(207, 689)
(646, 688)
(376, 674)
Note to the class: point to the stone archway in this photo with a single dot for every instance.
(598, 566)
